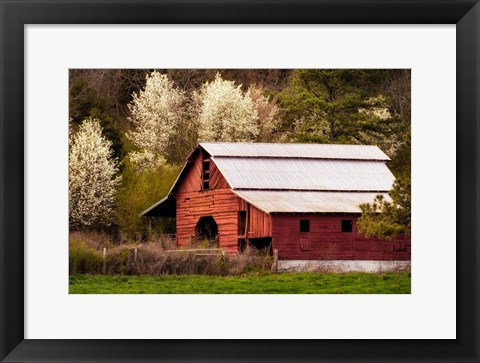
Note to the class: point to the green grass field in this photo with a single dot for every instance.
(300, 283)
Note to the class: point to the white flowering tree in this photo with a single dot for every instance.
(155, 113)
(226, 113)
(92, 177)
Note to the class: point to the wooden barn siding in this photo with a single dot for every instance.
(259, 224)
(217, 181)
(192, 180)
(326, 241)
(218, 202)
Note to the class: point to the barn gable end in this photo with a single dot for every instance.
(193, 202)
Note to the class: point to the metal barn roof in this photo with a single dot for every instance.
(303, 178)
(305, 174)
(311, 151)
(307, 202)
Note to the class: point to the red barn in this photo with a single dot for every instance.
(300, 199)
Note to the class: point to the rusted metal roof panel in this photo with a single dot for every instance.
(307, 202)
(305, 174)
(308, 151)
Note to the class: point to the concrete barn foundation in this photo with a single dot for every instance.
(343, 266)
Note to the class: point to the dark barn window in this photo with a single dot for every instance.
(206, 174)
(304, 225)
(347, 225)
(206, 165)
(242, 222)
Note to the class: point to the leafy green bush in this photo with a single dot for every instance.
(138, 192)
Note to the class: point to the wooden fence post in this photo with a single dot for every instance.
(135, 254)
(224, 262)
(275, 261)
(104, 260)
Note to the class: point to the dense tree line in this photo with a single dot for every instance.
(150, 120)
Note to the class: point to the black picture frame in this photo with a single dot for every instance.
(15, 14)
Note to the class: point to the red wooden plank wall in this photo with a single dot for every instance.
(218, 202)
(193, 176)
(259, 224)
(217, 181)
(221, 204)
(326, 240)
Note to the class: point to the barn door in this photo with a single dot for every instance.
(207, 229)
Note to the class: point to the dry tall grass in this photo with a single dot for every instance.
(158, 256)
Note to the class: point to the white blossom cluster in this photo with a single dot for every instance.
(226, 113)
(92, 176)
(154, 112)
(219, 111)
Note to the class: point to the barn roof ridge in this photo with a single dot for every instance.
(312, 190)
(275, 143)
(291, 158)
(294, 150)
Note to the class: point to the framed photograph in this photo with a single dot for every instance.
(430, 315)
